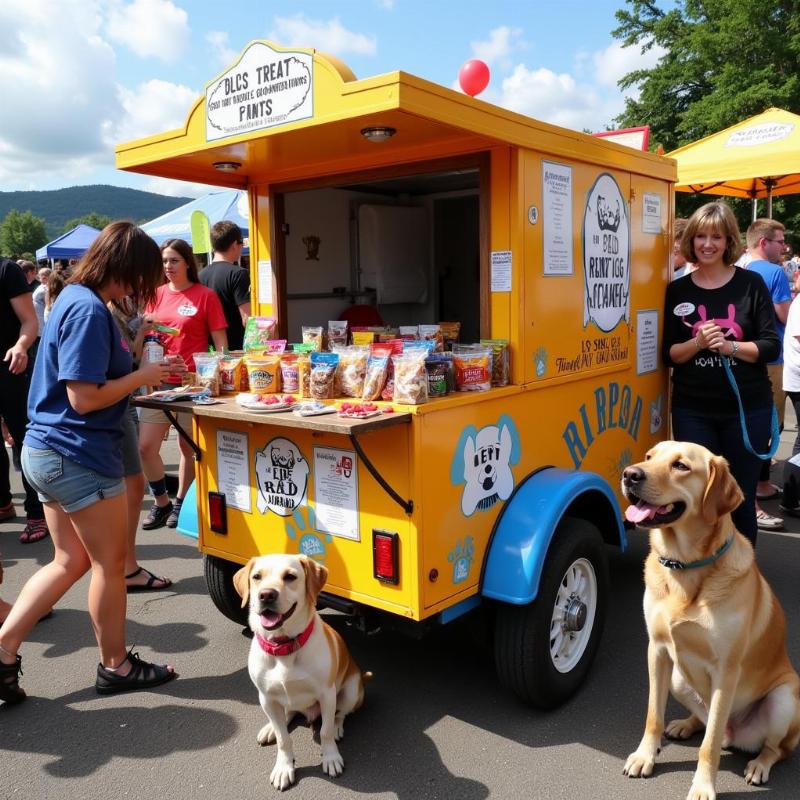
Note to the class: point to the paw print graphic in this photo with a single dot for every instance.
(461, 558)
(301, 531)
(540, 360)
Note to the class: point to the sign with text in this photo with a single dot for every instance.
(266, 87)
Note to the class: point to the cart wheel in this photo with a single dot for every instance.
(219, 580)
(543, 650)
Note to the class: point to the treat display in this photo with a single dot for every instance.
(258, 331)
(410, 379)
(263, 373)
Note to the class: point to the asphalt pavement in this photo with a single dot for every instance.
(435, 723)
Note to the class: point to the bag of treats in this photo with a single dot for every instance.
(436, 369)
(290, 373)
(451, 331)
(207, 368)
(323, 375)
(473, 369)
(375, 378)
(263, 373)
(363, 337)
(388, 349)
(337, 333)
(231, 366)
(409, 333)
(275, 346)
(432, 333)
(258, 331)
(313, 335)
(500, 360)
(350, 371)
(410, 379)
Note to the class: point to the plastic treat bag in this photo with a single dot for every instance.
(337, 333)
(437, 369)
(258, 331)
(410, 379)
(351, 370)
(388, 349)
(290, 373)
(375, 378)
(207, 368)
(451, 331)
(231, 366)
(323, 375)
(432, 333)
(263, 373)
(409, 333)
(501, 366)
(473, 370)
(312, 334)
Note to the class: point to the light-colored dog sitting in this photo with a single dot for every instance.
(298, 663)
(717, 632)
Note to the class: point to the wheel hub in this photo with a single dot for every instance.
(575, 615)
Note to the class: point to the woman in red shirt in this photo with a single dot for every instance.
(196, 312)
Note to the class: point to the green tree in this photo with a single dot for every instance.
(21, 232)
(724, 61)
(94, 219)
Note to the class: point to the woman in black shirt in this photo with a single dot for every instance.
(720, 310)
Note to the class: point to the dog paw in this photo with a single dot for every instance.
(282, 775)
(266, 735)
(682, 728)
(756, 773)
(701, 791)
(639, 765)
(332, 762)
(338, 729)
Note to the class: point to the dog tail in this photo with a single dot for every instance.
(366, 677)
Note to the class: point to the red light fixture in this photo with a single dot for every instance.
(217, 512)
(385, 561)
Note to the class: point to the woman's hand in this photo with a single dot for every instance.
(710, 337)
(154, 373)
(17, 359)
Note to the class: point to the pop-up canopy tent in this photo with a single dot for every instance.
(759, 157)
(228, 204)
(72, 244)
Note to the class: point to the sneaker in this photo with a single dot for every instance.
(157, 517)
(7, 512)
(172, 519)
(792, 511)
(35, 530)
(766, 522)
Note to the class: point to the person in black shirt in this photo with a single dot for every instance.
(230, 281)
(721, 311)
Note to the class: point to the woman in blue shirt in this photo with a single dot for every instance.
(71, 456)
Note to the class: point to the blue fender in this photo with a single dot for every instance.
(188, 522)
(526, 526)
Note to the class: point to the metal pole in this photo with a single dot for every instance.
(755, 209)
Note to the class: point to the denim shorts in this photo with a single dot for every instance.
(131, 462)
(61, 480)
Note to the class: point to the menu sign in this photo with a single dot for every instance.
(266, 87)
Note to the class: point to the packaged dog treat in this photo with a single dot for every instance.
(436, 370)
(337, 333)
(350, 371)
(409, 333)
(313, 335)
(207, 368)
(375, 378)
(231, 367)
(388, 349)
(363, 337)
(275, 346)
(410, 379)
(323, 375)
(263, 373)
(473, 370)
(290, 372)
(500, 360)
(451, 331)
(258, 331)
(388, 335)
(432, 333)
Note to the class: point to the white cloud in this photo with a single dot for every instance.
(329, 36)
(616, 61)
(155, 28)
(221, 49)
(152, 107)
(177, 188)
(501, 43)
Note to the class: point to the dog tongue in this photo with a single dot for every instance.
(269, 619)
(641, 511)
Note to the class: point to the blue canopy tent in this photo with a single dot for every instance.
(224, 204)
(72, 244)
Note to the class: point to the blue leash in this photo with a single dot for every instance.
(776, 431)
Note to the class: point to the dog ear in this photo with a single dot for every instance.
(241, 581)
(722, 494)
(316, 576)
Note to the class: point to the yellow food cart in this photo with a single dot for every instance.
(428, 205)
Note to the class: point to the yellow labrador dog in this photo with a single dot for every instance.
(717, 632)
(298, 663)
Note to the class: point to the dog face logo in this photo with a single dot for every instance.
(655, 414)
(282, 476)
(482, 462)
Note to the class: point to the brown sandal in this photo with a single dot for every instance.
(10, 690)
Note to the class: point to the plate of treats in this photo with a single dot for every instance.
(358, 410)
(266, 403)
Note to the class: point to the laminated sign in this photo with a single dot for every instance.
(282, 477)
(266, 87)
(606, 256)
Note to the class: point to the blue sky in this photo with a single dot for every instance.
(82, 75)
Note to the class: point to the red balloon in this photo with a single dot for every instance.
(473, 77)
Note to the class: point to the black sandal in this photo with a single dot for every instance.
(10, 690)
(143, 675)
(149, 586)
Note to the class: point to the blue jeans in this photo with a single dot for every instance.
(722, 435)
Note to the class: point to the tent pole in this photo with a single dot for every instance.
(755, 209)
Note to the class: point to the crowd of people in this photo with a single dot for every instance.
(72, 361)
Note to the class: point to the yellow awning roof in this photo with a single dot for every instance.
(745, 160)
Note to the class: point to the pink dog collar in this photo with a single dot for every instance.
(283, 645)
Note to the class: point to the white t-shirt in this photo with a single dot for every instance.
(791, 349)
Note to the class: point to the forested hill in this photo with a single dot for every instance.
(58, 206)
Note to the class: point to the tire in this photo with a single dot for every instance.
(219, 581)
(541, 670)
